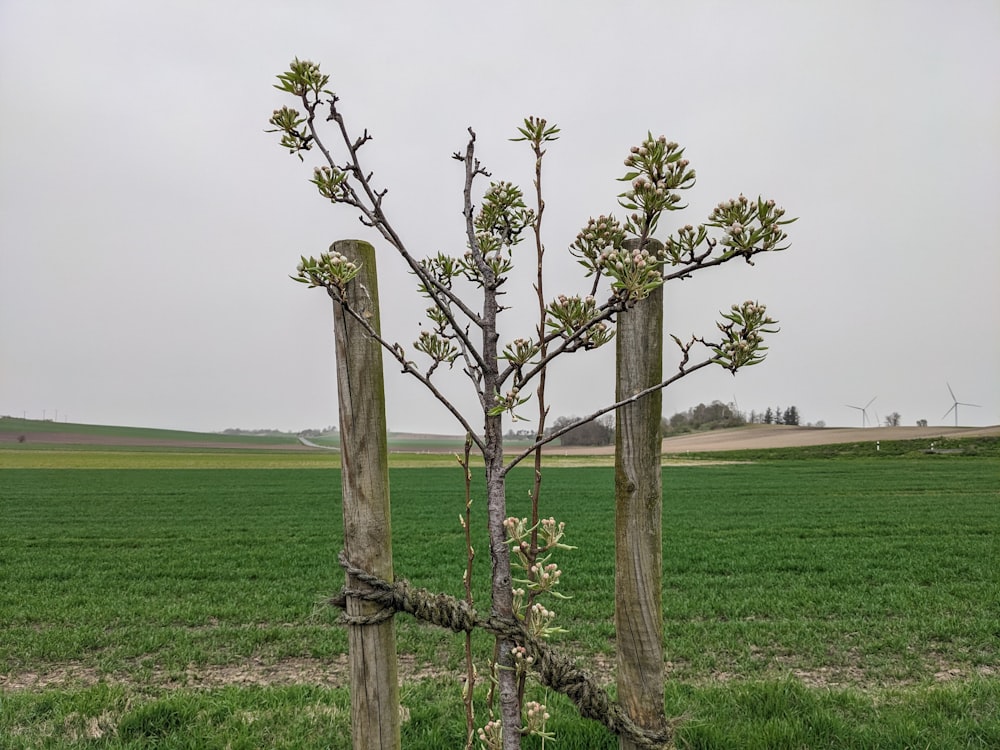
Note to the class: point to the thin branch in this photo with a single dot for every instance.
(472, 169)
(470, 556)
(536, 489)
(609, 309)
(408, 367)
(571, 343)
(601, 412)
(695, 262)
(440, 294)
(473, 372)
(597, 281)
(699, 264)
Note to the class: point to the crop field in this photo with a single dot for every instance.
(813, 603)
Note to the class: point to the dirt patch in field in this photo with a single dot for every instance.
(301, 671)
(335, 673)
(56, 676)
(824, 677)
(948, 673)
(256, 671)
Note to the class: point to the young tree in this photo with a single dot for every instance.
(465, 308)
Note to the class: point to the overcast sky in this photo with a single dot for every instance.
(148, 225)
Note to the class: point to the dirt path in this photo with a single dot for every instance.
(781, 436)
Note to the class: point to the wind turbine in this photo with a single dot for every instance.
(955, 405)
(863, 410)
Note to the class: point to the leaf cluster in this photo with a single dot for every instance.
(595, 242)
(439, 348)
(750, 227)
(578, 319)
(331, 271)
(532, 547)
(657, 170)
(743, 336)
(499, 225)
(289, 122)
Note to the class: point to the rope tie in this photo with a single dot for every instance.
(554, 671)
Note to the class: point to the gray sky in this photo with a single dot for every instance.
(148, 225)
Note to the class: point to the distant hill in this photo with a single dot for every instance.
(762, 436)
(755, 437)
(43, 432)
(749, 437)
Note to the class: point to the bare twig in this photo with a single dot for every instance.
(440, 294)
(572, 342)
(472, 169)
(536, 489)
(470, 556)
(408, 366)
(682, 372)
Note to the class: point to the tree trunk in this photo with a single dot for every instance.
(365, 485)
(638, 515)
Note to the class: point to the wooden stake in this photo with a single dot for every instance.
(638, 514)
(365, 491)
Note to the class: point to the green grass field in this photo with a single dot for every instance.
(849, 603)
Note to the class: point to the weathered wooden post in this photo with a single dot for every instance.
(365, 489)
(638, 513)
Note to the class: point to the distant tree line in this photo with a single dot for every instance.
(598, 432)
(789, 416)
(714, 416)
(718, 415)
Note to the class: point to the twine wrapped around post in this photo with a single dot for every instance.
(554, 671)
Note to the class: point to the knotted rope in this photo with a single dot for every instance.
(554, 671)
